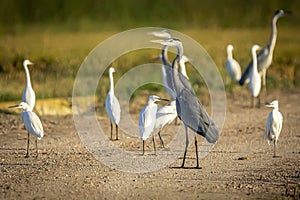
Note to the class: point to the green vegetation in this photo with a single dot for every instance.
(58, 35)
(91, 15)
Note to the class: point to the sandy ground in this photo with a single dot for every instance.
(241, 165)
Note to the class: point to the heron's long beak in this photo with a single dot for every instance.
(15, 106)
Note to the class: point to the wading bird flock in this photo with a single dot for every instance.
(263, 60)
(184, 102)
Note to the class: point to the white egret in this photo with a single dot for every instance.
(147, 120)
(164, 116)
(32, 124)
(28, 93)
(188, 107)
(273, 124)
(265, 56)
(112, 105)
(254, 77)
(232, 66)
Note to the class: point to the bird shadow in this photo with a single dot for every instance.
(179, 167)
(277, 156)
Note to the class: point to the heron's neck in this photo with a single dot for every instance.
(273, 37)
(178, 57)
(27, 76)
(111, 79)
(164, 54)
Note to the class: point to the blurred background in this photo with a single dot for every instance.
(57, 35)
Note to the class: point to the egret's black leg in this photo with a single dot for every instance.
(274, 149)
(111, 129)
(36, 147)
(117, 130)
(27, 153)
(161, 140)
(258, 103)
(252, 101)
(143, 146)
(153, 140)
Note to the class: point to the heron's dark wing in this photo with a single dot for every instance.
(194, 115)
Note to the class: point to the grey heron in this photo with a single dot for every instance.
(188, 107)
(232, 66)
(273, 124)
(265, 56)
(147, 120)
(166, 64)
(254, 77)
(28, 93)
(164, 116)
(167, 67)
(32, 124)
(112, 105)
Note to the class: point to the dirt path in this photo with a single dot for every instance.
(240, 166)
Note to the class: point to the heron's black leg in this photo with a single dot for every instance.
(111, 129)
(161, 140)
(186, 145)
(153, 140)
(117, 129)
(27, 153)
(196, 145)
(143, 146)
(36, 146)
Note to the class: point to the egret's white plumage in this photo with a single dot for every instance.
(265, 56)
(164, 116)
(147, 119)
(32, 124)
(182, 62)
(232, 66)
(273, 124)
(254, 77)
(28, 93)
(112, 105)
